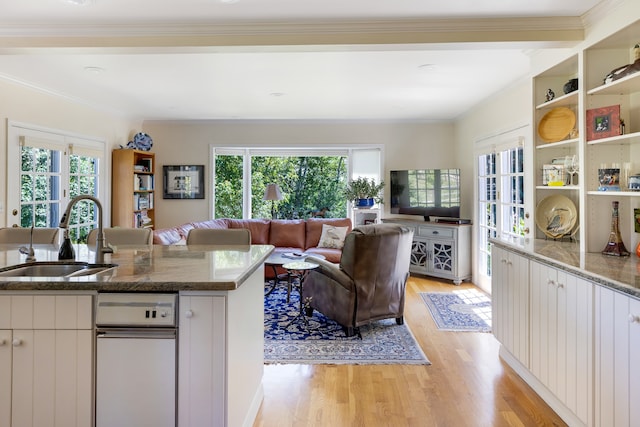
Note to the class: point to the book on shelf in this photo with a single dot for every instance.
(142, 220)
(142, 182)
(142, 201)
(144, 165)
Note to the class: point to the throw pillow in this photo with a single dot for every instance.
(332, 237)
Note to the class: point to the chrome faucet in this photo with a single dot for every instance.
(29, 251)
(101, 247)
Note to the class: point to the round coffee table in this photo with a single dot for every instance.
(278, 259)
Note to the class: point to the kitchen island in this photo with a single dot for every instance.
(47, 332)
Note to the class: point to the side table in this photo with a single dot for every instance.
(278, 259)
(299, 268)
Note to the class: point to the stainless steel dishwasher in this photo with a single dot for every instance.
(136, 357)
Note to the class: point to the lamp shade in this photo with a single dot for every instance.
(272, 192)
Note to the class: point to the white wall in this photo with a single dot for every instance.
(407, 145)
(22, 104)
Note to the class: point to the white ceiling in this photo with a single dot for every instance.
(277, 59)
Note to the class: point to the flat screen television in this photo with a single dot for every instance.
(426, 192)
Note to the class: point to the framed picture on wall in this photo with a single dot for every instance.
(603, 122)
(183, 182)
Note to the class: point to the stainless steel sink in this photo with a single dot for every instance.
(55, 269)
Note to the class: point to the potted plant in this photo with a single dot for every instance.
(364, 192)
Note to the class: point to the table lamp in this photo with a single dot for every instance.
(272, 192)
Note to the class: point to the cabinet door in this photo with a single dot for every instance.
(419, 256)
(561, 306)
(543, 323)
(617, 351)
(574, 343)
(5, 377)
(442, 257)
(202, 361)
(510, 302)
(52, 378)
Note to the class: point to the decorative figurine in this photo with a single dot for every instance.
(615, 245)
(570, 86)
(550, 95)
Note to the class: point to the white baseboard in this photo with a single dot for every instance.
(558, 407)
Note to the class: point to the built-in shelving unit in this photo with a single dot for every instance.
(552, 153)
(591, 66)
(618, 150)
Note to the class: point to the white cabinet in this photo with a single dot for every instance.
(221, 355)
(510, 302)
(201, 369)
(5, 375)
(47, 353)
(440, 250)
(561, 336)
(363, 216)
(617, 356)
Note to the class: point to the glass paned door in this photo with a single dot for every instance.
(487, 209)
(512, 200)
(40, 187)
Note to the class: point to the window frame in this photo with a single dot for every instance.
(68, 144)
(364, 168)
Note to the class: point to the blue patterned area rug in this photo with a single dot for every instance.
(461, 310)
(381, 342)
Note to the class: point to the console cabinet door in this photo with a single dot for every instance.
(419, 256)
(617, 356)
(442, 258)
(510, 302)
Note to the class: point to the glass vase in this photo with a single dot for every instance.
(615, 245)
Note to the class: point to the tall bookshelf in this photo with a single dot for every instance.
(132, 188)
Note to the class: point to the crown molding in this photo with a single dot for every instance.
(294, 33)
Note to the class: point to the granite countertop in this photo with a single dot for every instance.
(146, 268)
(619, 273)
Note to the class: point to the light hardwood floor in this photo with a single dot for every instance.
(467, 384)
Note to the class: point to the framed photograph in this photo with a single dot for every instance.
(603, 122)
(609, 179)
(183, 182)
(636, 220)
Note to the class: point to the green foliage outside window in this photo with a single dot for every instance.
(41, 190)
(308, 184)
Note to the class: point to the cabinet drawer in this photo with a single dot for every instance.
(435, 232)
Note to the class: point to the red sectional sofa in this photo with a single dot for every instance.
(287, 235)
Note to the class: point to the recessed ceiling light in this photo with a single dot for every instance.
(277, 94)
(94, 70)
(79, 2)
(425, 66)
(229, 1)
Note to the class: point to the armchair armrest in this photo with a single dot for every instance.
(332, 271)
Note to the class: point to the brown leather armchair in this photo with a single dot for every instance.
(369, 283)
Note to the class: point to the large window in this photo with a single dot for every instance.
(310, 181)
(49, 170)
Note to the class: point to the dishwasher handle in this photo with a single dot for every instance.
(150, 333)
